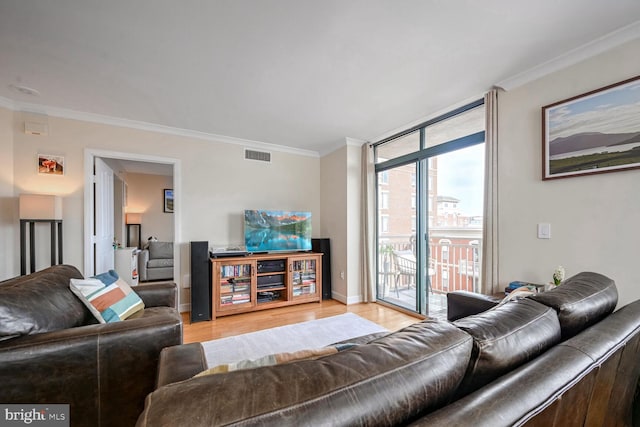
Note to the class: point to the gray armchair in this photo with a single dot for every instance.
(155, 262)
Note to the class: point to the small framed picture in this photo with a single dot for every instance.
(596, 132)
(168, 200)
(50, 165)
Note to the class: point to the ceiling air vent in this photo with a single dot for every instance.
(261, 156)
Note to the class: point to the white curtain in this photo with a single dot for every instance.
(367, 229)
(490, 283)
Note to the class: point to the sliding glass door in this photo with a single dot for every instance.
(397, 227)
(430, 184)
(454, 233)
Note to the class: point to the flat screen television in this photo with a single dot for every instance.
(272, 231)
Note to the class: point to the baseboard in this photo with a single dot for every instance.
(356, 299)
(338, 297)
(184, 308)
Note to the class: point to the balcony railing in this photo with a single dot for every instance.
(450, 267)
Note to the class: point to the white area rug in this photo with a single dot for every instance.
(299, 336)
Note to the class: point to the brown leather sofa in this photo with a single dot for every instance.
(559, 358)
(52, 350)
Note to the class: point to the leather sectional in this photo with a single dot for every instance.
(560, 358)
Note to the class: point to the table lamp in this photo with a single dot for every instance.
(39, 208)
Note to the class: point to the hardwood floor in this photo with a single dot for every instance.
(250, 322)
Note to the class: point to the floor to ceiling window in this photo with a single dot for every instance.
(430, 185)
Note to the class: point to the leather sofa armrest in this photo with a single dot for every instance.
(462, 304)
(158, 294)
(104, 371)
(179, 363)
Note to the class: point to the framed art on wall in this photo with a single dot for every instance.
(50, 165)
(596, 132)
(168, 200)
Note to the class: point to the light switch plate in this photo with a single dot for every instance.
(544, 230)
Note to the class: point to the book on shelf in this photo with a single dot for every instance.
(302, 265)
(243, 287)
(240, 270)
(240, 298)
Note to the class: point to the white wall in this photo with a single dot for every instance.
(340, 197)
(218, 184)
(9, 237)
(334, 225)
(594, 219)
(145, 195)
(354, 219)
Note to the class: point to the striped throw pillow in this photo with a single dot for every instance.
(108, 297)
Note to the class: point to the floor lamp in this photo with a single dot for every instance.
(134, 221)
(39, 208)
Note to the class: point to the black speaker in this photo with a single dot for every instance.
(200, 282)
(322, 245)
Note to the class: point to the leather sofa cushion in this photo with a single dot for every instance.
(587, 380)
(160, 250)
(581, 301)
(505, 337)
(160, 263)
(40, 302)
(390, 381)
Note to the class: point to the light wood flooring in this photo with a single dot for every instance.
(250, 322)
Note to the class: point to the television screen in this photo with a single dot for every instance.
(269, 231)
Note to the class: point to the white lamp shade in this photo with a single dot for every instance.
(40, 206)
(134, 218)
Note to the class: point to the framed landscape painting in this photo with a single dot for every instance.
(168, 200)
(595, 132)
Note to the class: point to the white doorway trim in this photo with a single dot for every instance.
(89, 155)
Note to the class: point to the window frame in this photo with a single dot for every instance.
(422, 159)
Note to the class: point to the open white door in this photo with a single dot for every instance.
(104, 231)
(99, 253)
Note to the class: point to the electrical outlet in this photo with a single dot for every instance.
(342, 275)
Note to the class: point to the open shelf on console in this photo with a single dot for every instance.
(242, 284)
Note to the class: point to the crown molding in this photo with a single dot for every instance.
(7, 103)
(348, 142)
(593, 48)
(354, 142)
(151, 127)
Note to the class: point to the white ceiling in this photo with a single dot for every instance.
(295, 73)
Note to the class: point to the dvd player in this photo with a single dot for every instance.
(271, 265)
